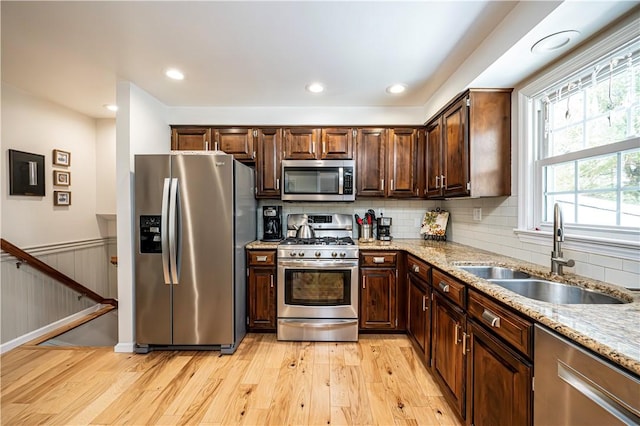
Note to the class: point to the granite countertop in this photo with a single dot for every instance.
(609, 330)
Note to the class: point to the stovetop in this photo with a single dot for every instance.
(318, 241)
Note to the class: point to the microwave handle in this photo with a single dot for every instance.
(341, 180)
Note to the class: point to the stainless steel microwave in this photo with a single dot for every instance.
(318, 180)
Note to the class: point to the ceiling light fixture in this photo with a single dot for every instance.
(395, 89)
(554, 41)
(174, 74)
(111, 107)
(315, 87)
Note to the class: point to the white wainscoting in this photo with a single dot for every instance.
(31, 300)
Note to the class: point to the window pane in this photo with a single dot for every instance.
(567, 205)
(560, 177)
(597, 209)
(567, 139)
(631, 169)
(598, 173)
(630, 209)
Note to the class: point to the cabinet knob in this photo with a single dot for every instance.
(491, 318)
(444, 287)
(261, 258)
(416, 269)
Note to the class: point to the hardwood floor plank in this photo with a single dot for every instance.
(377, 381)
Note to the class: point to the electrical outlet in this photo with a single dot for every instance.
(477, 213)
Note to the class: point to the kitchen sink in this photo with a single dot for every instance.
(552, 292)
(489, 272)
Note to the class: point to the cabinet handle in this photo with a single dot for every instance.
(323, 147)
(465, 336)
(437, 180)
(442, 178)
(261, 258)
(278, 183)
(416, 269)
(424, 303)
(271, 280)
(491, 318)
(364, 282)
(444, 287)
(393, 188)
(457, 333)
(378, 260)
(206, 145)
(313, 148)
(381, 184)
(253, 155)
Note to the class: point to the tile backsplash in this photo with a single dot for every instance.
(406, 215)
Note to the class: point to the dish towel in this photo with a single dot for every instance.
(434, 224)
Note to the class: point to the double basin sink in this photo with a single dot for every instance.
(538, 288)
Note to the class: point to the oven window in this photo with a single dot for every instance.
(312, 287)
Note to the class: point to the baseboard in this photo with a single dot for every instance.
(124, 347)
(11, 344)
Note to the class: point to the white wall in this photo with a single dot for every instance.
(141, 128)
(106, 166)
(34, 125)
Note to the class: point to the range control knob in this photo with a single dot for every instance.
(292, 254)
(301, 254)
(318, 254)
(334, 254)
(343, 254)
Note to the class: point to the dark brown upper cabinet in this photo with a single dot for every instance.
(371, 162)
(191, 139)
(268, 143)
(237, 141)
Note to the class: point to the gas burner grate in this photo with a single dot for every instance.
(319, 241)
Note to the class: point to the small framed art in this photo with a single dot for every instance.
(61, 158)
(61, 178)
(61, 198)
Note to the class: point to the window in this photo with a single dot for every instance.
(582, 150)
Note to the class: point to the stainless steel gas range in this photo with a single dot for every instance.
(318, 280)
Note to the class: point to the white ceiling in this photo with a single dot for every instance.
(263, 53)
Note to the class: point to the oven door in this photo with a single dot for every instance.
(318, 289)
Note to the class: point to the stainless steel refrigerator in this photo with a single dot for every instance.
(194, 213)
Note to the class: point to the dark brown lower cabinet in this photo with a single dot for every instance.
(419, 324)
(498, 382)
(448, 356)
(378, 298)
(262, 298)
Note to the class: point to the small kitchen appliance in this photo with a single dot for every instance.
(317, 291)
(271, 223)
(384, 229)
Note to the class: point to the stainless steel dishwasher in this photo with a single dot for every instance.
(575, 387)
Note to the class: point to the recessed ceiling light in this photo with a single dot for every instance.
(315, 87)
(111, 107)
(396, 88)
(174, 74)
(555, 41)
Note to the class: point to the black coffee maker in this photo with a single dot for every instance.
(384, 229)
(271, 223)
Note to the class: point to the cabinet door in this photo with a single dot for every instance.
(337, 143)
(237, 141)
(262, 298)
(191, 139)
(300, 143)
(378, 298)
(419, 326)
(433, 160)
(268, 162)
(370, 162)
(499, 382)
(456, 149)
(447, 351)
(401, 171)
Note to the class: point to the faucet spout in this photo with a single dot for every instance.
(557, 261)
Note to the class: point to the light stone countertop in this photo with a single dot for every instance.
(612, 331)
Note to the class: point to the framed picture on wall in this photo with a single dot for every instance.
(61, 158)
(61, 198)
(26, 173)
(61, 178)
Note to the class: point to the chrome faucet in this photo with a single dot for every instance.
(557, 261)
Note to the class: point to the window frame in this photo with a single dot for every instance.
(622, 242)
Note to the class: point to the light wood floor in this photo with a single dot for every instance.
(377, 380)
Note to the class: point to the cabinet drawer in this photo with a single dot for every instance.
(505, 324)
(264, 257)
(419, 268)
(378, 259)
(451, 288)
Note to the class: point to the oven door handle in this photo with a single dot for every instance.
(318, 264)
(324, 324)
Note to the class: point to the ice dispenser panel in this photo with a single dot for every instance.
(150, 238)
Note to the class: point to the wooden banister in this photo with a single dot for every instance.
(51, 272)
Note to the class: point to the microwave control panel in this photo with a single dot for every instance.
(348, 180)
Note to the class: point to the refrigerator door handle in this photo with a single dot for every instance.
(174, 229)
(164, 234)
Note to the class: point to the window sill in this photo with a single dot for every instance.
(588, 244)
